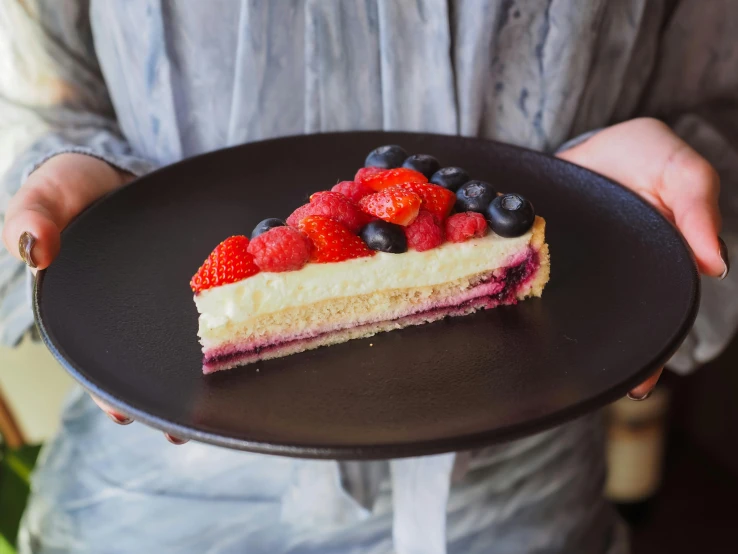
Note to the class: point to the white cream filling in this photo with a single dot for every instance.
(268, 292)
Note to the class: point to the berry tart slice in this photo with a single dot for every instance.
(406, 242)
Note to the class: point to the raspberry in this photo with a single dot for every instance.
(352, 190)
(464, 226)
(424, 233)
(384, 178)
(334, 205)
(437, 200)
(333, 242)
(366, 172)
(228, 263)
(280, 249)
(393, 204)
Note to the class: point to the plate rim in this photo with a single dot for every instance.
(386, 450)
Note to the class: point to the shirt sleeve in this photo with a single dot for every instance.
(53, 100)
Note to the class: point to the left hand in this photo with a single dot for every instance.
(647, 157)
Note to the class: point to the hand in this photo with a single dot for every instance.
(53, 195)
(647, 157)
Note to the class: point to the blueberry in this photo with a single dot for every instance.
(450, 178)
(265, 225)
(474, 196)
(510, 215)
(386, 157)
(425, 164)
(384, 236)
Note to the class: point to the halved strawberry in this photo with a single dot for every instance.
(394, 204)
(437, 200)
(333, 242)
(384, 178)
(228, 263)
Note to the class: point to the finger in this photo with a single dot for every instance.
(691, 187)
(31, 235)
(175, 440)
(51, 197)
(644, 390)
(113, 414)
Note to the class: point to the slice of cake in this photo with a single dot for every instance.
(397, 246)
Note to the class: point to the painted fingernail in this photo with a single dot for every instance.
(175, 440)
(640, 398)
(25, 249)
(120, 419)
(725, 258)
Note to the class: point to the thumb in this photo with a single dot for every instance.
(690, 187)
(52, 196)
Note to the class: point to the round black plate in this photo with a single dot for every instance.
(117, 311)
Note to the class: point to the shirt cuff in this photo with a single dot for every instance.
(130, 164)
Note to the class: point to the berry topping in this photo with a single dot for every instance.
(386, 157)
(385, 237)
(437, 200)
(510, 215)
(424, 233)
(464, 226)
(281, 249)
(423, 163)
(333, 242)
(228, 263)
(331, 204)
(450, 178)
(352, 190)
(391, 177)
(394, 204)
(366, 172)
(265, 225)
(474, 196)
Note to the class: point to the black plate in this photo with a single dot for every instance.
(117, 311)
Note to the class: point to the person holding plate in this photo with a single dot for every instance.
(643, 92)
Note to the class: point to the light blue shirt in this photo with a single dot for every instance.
(141, 83)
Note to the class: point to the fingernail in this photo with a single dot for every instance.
(120, 419)
(640, 398)
(175, 440)
(25, 248)
(724, 255)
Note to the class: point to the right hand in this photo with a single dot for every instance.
(54, 194)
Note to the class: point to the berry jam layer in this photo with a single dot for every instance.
(524, 277)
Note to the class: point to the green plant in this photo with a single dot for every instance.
(15, 472)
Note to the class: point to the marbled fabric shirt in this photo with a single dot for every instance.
(141, 83)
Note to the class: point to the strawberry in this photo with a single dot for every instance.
(228, 263)
(280, 249)
(331, 204)
(333, 242)
(437, 200)
(464, 226)
(424, 233)
(393, 204)
(352, 190)
(384, 178)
